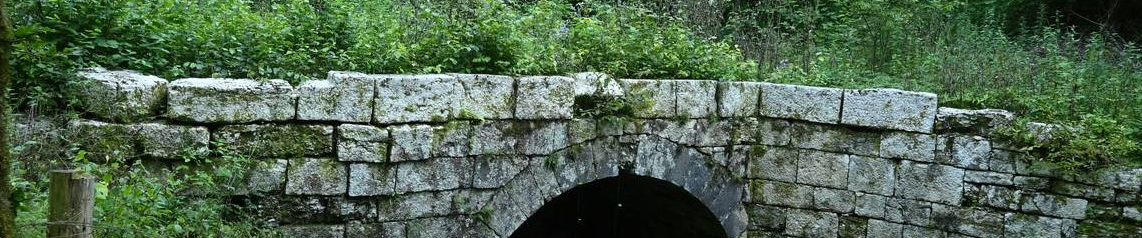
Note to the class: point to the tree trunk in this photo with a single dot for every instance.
(7, 211)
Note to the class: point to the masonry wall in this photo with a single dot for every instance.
(458, 155)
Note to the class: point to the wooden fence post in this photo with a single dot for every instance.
(71, 200)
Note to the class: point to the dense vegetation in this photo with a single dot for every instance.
(1054, 61)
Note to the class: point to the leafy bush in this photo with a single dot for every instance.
(136, 198)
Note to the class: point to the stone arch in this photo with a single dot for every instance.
(700, 173)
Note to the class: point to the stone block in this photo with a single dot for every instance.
(1022, 225)
(822, 169)
(266, 176)
(766, 218)
(454, 226)
(308, 176)
(930, 182)
(230, 100)
(834, 200)
(1054, 205)
(277, 141)
(411, 142)
(772, 163)
(908, 211)
(993, 196)
(805, 223)
(362, 143)
(971, 221)
(595, 83)
(869, 205)
(495, 171)
(834, 139)
(871, 175)
(121, 96)
(738, 99)
(371, 179)
(487, 96)
(980, 122)
(883, 229)
(312, 231)
(659, 92)
(988, 177)
(433, 175)
(172, 141)
(695, 98)
(102, 139)
(417, 98)
(852, 226)
(417, 205)
(890, 109)
(970, 152)
(760, 131)
(800, 103)
(544, 97)
(917, 231)
(781, 193)
(344, 97)
(387, 229)
(906, 145)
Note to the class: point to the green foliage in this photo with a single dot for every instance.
(140, 198)
(1095, 142)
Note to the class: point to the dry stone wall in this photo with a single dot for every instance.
(458, 155)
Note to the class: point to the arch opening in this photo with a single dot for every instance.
(649, 207)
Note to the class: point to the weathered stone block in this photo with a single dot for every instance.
(908, 211)
(971, 121)
(417, 205)
(890, 109)
(834, 139)
(264, 140)
(971, 221)
(883, 229)
(307, 176)
(595, 83)
(543, 97)
(906, 145)
(411, 142)
(695, 98)
(917, 231)
(659, 92)
(805, 223)
(370, 179)
(313, 231)
(387, 229)
(495, 171)
(230, 100)
(122, 96)
(772, 163)
(523, 137)
(433, 175)
(487, 96)
(417, 98)
(1021, 225)
(101, 138)
(266, 176)
(993, 196)
(800, 103)
(971, 152)
(822, 168)
(760, 131)
(362, 143)
(930, 182)
(455, 226)
(834, 200)
(171, 141)
(1054, 205)
(738, 99)
(988, 177)
(344, 97)
(781, 193)
(871, 175)
(869, 205)
(852, 226)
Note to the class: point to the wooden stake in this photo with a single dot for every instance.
(71, 200)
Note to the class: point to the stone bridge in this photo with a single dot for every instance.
(461, 155)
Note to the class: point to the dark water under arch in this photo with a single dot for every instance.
(650, 208)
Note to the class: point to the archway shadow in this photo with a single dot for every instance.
(627, 205)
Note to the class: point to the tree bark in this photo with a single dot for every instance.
(7, 211)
